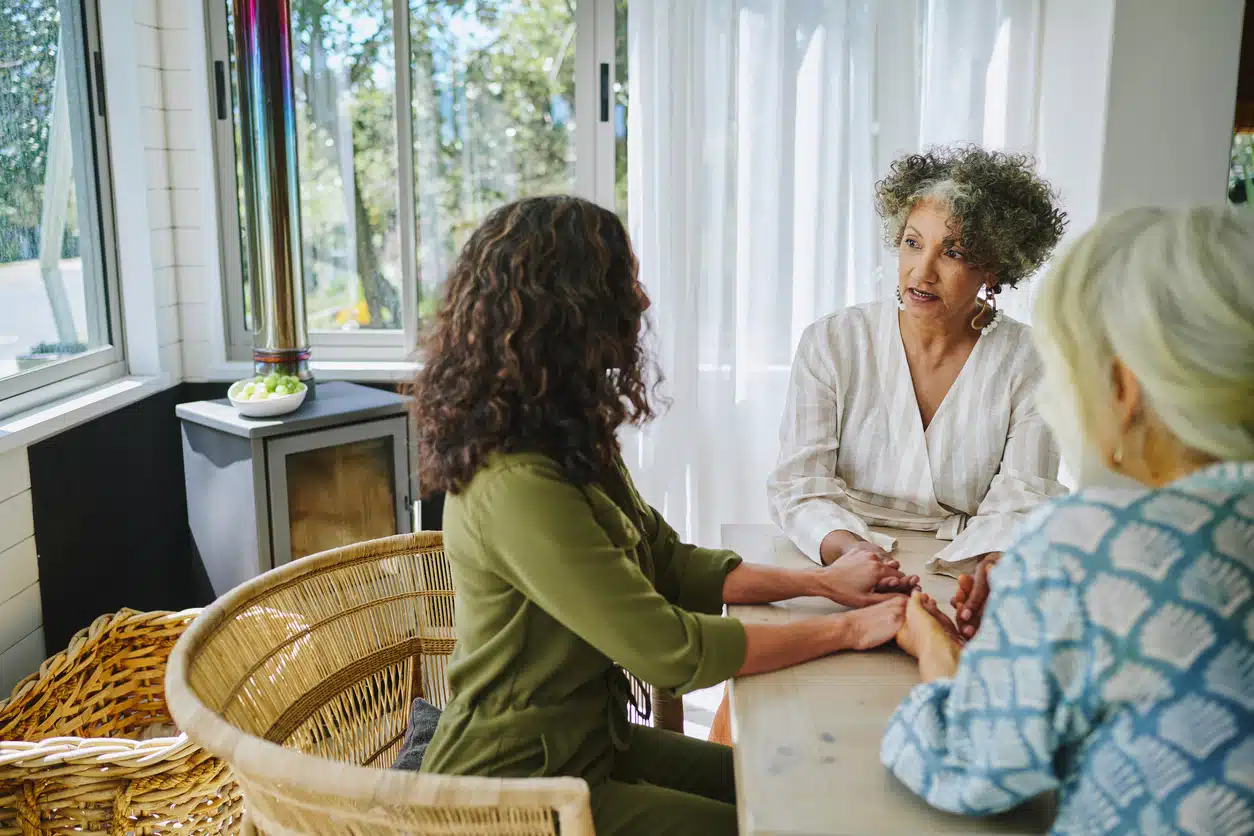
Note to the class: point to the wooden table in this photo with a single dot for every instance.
(808, 738)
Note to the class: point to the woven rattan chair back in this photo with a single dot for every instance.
(302, 678)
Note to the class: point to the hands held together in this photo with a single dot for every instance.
(864, 574)
(927, 631)
(889, 604)
(867, 579)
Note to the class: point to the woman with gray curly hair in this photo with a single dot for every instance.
(920, 415)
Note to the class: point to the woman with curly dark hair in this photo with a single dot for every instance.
(920, 415)
(564, 575)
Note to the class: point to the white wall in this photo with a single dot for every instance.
(1076, 44)
(1173, 89)
(1137, 101)
(21, 616)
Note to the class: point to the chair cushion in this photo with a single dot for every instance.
(423, 718)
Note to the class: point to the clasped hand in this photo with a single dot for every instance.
(863, 575)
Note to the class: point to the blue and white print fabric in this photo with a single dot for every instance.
(1115, 663)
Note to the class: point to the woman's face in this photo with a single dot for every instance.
(936, 282)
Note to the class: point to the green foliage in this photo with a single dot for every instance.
(29, 30)
(493, 99)
(58, 348)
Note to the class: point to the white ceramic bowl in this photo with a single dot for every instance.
(268, 408)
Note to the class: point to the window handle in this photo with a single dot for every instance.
(219, 81)
(100, 94)
(605, 92)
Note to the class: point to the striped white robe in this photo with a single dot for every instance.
(853, 451)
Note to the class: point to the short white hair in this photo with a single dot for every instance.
(1171, 294)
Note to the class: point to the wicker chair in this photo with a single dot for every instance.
(302, 678)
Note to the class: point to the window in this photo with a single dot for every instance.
(57, 263)
(398, 167)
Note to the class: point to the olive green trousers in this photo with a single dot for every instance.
(665, 784)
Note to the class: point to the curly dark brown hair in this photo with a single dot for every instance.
(1004, 215)
(536, 346)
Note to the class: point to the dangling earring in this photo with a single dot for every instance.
(901, 303)
(1117, 456)
(988, 303)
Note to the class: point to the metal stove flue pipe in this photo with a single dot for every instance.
(271, 186)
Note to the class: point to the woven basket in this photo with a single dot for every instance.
(72, 757)
(302, 680)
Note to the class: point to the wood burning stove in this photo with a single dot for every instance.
(263, 492)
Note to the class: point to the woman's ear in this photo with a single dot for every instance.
(1127, 396)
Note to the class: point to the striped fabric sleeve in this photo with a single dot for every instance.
(804, 490)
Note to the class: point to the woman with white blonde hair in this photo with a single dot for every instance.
(1115, 658)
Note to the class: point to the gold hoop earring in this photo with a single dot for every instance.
(988, 303)
(978, 314)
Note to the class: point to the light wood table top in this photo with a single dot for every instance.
(807, 738)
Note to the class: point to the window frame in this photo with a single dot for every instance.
(594, 178)
(90, 134)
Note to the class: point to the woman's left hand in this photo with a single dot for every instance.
(968, 602)
(864, 576)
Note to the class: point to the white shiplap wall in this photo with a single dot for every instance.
(161, 55)
(21, 618)
(182, 187)
(174, 91)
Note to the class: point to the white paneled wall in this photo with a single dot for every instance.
(162, 74)
(189, 150)
(173, 89)
(21, 619)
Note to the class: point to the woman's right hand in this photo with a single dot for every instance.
(874, 625)
(929, 636)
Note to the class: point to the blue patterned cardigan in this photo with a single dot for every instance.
(1115, 663)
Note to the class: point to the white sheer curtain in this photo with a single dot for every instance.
(758, 129)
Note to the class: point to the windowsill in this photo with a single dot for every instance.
(27, 428)
(355, 371)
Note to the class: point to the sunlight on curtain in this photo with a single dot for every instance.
(758, 131)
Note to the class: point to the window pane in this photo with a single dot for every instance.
(494, 116)
(52, 301)
(345, 81)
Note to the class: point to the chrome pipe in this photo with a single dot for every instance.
(271, 186)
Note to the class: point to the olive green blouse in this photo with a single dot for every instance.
(557, 585)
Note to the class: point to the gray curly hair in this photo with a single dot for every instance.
(1006, 216)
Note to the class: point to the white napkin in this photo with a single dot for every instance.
(949, 530)
(882, 540)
